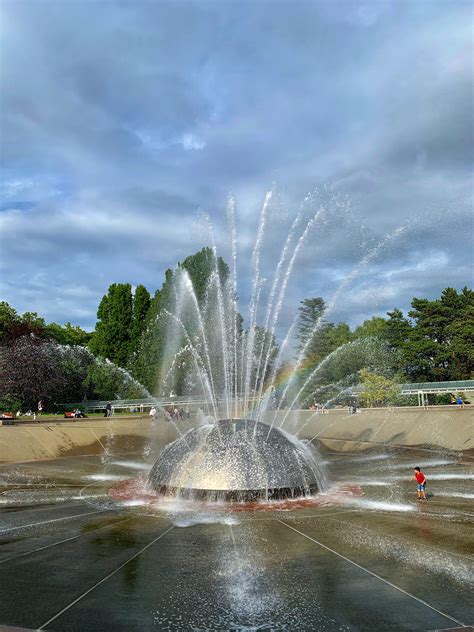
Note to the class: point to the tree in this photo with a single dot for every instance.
(440, 342)
(34, 368)
(311, 311)
(112, 336)
(141, 305)
(319, 337)
(339, 372)
(338, 334)
(377, 390)
(105, 380)
(13, 325)
(376, 326)
(462, 336)
(8, 318)
(398, 329)
(152, 359)
(68, 334)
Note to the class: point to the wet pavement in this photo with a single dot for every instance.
(73, 558)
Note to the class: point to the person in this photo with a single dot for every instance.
(108, 410)
(460, 402)
(40, 408)
(153, 413)
(421, 480)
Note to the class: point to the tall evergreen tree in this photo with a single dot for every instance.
(141, 305)
(149, 358)
(398, 329)
(112, 335)
(441, 341)
(462, 332)
(310, 311)
(325, 337)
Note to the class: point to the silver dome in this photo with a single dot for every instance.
(236, 459)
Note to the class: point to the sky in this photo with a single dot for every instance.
(123, 122)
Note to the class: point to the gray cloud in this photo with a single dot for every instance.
(117, 132)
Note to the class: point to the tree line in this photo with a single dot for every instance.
(433, 342)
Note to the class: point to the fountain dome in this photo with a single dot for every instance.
(236, 460)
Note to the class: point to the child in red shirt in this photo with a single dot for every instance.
(421, 480)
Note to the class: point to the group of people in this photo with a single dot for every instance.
(177, 414)
(171, 413)
(318, 408)
(321, 408)
(108, 410)
(352, 407)
(458, 400)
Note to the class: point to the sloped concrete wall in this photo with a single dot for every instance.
(437, 428)
(447, 428)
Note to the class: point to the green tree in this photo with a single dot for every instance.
(318, 336)
(398, 329)
(311, 311)
(68, 334)
(338, 334)
(112, 336)
(376, 326)
(461, 330)
(377, 390)
(8, 318)
(151, 358)
(339, 372)
(13, 325)
(141, 305)
(441, 340)
(10, 404)
(105, 380)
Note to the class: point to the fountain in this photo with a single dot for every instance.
(236, 460)
(239, 454)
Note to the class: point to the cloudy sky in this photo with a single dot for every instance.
(122, 121)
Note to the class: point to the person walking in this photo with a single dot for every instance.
(108, 410)
(460, 402)
(40, 408)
